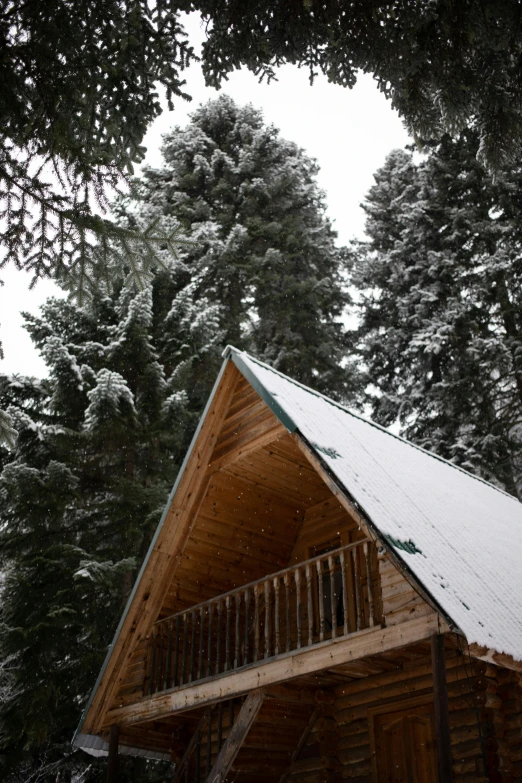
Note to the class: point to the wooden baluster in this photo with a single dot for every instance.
(371, 607)
(227, 635)
(192, 646)
(152, 663)
(230, 716)
(176, 653)
(219, 635)
(209, 741)
(276, 614)
(247, 626)
(168, 662)
(159, 662)
(286, 580)
(299, 619)
(184, 655)
(201, 641)
(209, 651)
(238, 611)
(345, 593)
(220, 727)
(320, 598)
(256, 622)
(267, 618)
(357, 580)
(198, 758)
(333, 605)
(310, 605)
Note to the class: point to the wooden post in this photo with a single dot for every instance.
(183, 767)
(440, 695)
(297, 574)
(209, 646)
(112, 760)
(310, 601)
(236, 737)
(295, 755)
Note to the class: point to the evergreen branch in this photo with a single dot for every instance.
(7, 432)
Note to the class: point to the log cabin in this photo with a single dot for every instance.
(322, 601)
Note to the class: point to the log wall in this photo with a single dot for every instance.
(484, 711)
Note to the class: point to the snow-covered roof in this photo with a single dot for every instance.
(460, 536)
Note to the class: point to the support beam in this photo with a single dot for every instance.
(287, 666)
(440, 695)
(196, 737)
(236, 737)
(113, 759)
(304, 736)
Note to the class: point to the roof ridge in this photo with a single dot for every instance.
(231, 349)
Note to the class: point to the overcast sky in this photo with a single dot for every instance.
(349, 132)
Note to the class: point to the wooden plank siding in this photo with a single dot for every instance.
(400, 601)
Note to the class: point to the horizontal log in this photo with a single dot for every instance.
(467, 748)
(389, 686)
(395, 674)
(354, 755)
(358, 770)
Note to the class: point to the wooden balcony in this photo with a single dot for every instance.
(334, 595)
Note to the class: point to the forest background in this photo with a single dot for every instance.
(432, 299)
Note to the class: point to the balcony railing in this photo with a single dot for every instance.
(329, 596)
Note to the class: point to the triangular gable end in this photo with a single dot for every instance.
(260, 473)
(240, 422)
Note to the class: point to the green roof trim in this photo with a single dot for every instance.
(406, 546)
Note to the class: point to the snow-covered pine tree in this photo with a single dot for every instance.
(265, 251)
(102, 438)
(80, 498)
(439, 282)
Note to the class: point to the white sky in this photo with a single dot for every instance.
(349, 132)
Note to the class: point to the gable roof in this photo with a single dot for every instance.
(460, 536)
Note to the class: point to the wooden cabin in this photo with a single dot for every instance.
(322, 601)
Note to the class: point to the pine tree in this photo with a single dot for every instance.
(263, 248)
(443, 66)
(80, 496)
(439, 282)
(100, 441)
